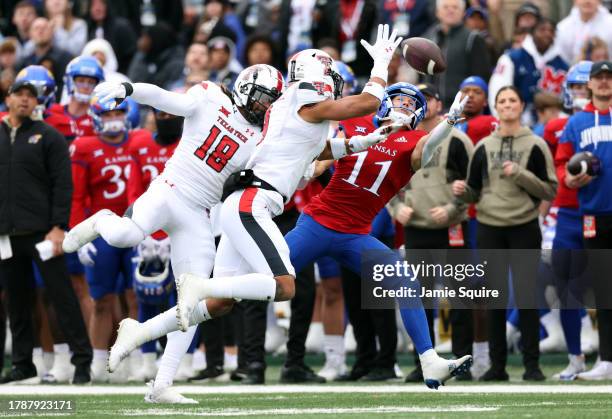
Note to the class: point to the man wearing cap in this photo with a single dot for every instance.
(536, 65)
(476, 124)
(591, 130)
(35, 195)
(433, 218)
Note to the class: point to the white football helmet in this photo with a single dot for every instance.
(317, 65)
(255, 89)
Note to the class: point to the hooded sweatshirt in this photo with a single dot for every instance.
(573, 32)
(506, 201)
(111, 64)
(590, 130)
(530, 72)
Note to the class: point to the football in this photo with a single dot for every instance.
(423, 55)
(583, 162)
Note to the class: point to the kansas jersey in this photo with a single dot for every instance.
(216, 142)
(289, 143)
(148, 161)
(83, 125)
(99, 173)
(364, 182)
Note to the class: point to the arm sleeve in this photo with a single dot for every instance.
(503, 75)
(538, 179)
(135, 188)
(180, 104)
(58, 164)
(475, 177)
(565, 150)
(436, 136)
(80, 193)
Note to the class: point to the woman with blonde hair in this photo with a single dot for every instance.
(70, 33)
(594, 49)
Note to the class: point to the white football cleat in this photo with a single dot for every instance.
(83, 233)
(167, 395)
(187, 299)
(600, 371)
(436, 370)
(576, 366)
(130, 335)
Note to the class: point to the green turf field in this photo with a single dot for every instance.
(389, 400)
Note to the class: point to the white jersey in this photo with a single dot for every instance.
(216, 142)
(289, 143)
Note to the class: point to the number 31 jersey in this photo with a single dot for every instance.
(99, 173)
(216, 142)
(364, 182)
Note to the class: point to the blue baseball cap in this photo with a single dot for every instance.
(475, 81)
(481, 11)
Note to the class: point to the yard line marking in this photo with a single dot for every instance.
(296, 411)
(21, 390)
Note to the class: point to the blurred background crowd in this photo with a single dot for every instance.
(488, 44)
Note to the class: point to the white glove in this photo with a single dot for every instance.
(147, 249)
(164, 249)
(359, 143)
(456, 109)
(87, 253)
(382, 50)
(107, 91)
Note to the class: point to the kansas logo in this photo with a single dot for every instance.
(34, 139)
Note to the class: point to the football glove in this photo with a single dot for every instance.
(382, 50)
(456, 109)
(87, 254)
(107, 91)
(359, 143)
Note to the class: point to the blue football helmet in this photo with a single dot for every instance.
(42, 79)
(85, 66)
(578, 74)
(133, 112)
(110, 128)
(347, 75)
(407, 90)
(153, 282)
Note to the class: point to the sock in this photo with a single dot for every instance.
(48, 359)
(415, 322)
(333, 346)
(61, 348)
(230, 361)
(257, 287)
(428, 356)
(480, 349)
(37, 351)
(99, 357)
(572, 323)
(177, 345)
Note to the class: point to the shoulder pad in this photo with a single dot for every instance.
(313, 92)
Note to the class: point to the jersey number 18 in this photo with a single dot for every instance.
(223, 149)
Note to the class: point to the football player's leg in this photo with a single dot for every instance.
(102, 279)
(247, 223)
(192, 251)
(414, 319)
(436, 370)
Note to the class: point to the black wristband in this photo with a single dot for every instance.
(129, 89)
